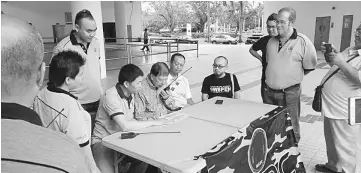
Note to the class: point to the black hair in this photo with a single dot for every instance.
(145, 29)
(82, 15)
(159, 69)
(64, 64)
(176, 54)
(129, 73)
(272, 17)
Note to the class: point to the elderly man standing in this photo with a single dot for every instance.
(27, 146)
(152, 101)
(290, 56)
(342, 140)
(82, 41)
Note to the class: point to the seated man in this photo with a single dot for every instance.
(152, 102)
(59, 109)
(115, 114)
(179, 89)
(220, 83)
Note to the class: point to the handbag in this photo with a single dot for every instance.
(317, 98)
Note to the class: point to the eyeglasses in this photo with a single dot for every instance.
(282, 22)
(271, 27)
(218, 66)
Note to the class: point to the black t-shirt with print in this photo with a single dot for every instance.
(222, 87)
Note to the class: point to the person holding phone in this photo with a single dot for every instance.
(343, 140)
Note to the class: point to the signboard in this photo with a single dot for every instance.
(189, 29)
(267, 145)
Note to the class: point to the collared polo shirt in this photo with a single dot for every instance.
(339, 88)
(59, 110)
(90, 89)
(179, 90)
(113, 103)
(286, 64)
(26, 146)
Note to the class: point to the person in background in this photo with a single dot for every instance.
(220, 83)
(152, 102)
(343, 141)
(27, 146)
(60, 110)
(146, 40)
(82, 41)
(290, 56)
(261, 44)
(116, 114)
(179, 89)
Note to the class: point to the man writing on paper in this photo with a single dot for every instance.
(342, 140)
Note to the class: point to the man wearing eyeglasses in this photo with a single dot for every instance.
(261, 45)
(220, 83)
(82, 41)
(290, 56)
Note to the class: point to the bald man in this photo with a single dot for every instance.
(27, 146)
(220, 83)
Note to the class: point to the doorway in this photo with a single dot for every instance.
(322, 31)
(346, 32)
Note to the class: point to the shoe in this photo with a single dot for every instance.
(324, 168)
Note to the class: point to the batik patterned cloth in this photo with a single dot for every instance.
(266, 145)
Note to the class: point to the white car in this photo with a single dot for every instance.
(225, 39)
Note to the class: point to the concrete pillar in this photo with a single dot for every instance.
(96, 9)
(120, 15)
(135, 16)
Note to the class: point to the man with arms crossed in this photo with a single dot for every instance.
(82, 41)
(180, 88)
(290, 56)
(220, 83)
(261, 45)
(27, 146)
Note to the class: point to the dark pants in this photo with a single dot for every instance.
(263, 87)
(92, 109)
(145, 46)
(290, 99)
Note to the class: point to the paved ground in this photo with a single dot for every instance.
(248, 72)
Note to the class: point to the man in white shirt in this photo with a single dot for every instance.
(342, 140)
(179, 89)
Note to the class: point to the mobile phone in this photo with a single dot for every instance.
(219, 102)
(328, 47)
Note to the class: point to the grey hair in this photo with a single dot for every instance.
(21, 60)
(292, 12)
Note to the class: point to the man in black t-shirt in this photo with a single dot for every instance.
(220, 83)
(261, 44)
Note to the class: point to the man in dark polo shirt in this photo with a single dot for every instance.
(261, 45)
(27, 146)
(82, 41)
(290, 56)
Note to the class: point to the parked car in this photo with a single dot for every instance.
(186, 39)
(253, 38)
(166, 34)
(223, 39)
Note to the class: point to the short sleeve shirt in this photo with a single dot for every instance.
(339, 88)
(180, 90)
(113, 103)
(90, 89)
(59, 110)
(261, 44)
(214, 86)
(286, 64)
